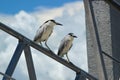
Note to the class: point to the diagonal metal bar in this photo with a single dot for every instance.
(62, 61)
(14, 60)
(44, 50)
(11, 31)
(7, 76)
(114, 59)
(29, 62)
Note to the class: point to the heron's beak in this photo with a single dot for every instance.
(59, 24)
(75, 36)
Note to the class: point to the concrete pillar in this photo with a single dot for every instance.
(107, 20)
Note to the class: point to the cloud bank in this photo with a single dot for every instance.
(72, 17)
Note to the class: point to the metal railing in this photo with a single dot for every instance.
(24, 44)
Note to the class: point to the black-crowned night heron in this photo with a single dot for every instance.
(44, 32)
(66, 45)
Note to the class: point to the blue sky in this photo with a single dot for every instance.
(14, 6)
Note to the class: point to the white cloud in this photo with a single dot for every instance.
(71, 15)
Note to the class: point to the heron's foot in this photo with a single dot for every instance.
(49, 49)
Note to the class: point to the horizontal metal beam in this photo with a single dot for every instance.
(44, 50)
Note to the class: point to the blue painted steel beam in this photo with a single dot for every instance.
(14, 60)
(29, 61)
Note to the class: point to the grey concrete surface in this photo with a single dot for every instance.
(107, 20)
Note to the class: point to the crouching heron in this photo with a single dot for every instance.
(66, 45)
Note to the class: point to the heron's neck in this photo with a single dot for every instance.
(70, 38)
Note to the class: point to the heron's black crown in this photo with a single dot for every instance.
(72, 34)
(50, 20)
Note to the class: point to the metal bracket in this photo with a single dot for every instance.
(80, 76)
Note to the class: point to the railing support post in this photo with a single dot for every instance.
(14, 60)
(29, 61)
(80, 76)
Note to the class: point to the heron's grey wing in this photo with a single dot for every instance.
(62, 46)
(43, 24)
(38, 34)
(70, 46)
(50, 33)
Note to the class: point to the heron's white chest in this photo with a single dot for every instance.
(47, 32)
(68, 45)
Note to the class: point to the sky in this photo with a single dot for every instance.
(26, 19)
(14, 6)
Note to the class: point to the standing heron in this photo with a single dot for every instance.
(44, 32)
(66, 45)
